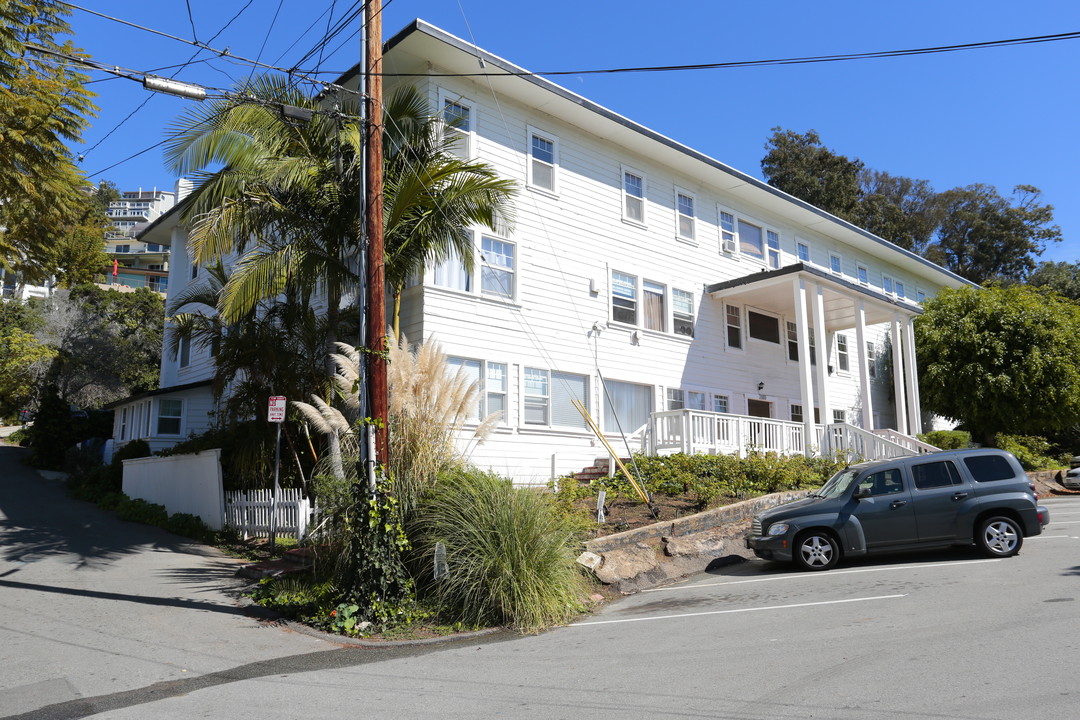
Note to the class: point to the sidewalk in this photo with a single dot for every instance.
(6, 430)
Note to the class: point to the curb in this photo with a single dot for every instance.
(257, 612)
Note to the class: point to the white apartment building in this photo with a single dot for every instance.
(686, 305)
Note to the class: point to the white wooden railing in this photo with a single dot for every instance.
(699, 431)
(248, 512)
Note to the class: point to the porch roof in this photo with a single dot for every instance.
(772, 290)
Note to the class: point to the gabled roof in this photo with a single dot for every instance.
(423, 50)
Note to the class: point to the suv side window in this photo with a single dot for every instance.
(935, 475)
(986, 468)
(886, 482)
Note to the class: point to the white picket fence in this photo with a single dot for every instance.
(249, 512)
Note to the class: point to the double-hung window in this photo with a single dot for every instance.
(728, 243)
(763, 327)
(452, 273)
(839, 416)
(863, 274)
(497, 267)
(549, 398)
(721, 403)
(653, 295)
(633, 196)
(836, 265)
(623, 298)
(169, 416)
(871, 360)
(803, 251)
(491, 385)
(676, 399)
(543, 160)
(887, 284)
(842, 361)
(796, 413)
(734, 326)
(457, 126)
(772, 239)
(682, 310)
(899, 287)
(184, 353)
(684, 211)
(627, 406)
(792, 341)
(695, 400)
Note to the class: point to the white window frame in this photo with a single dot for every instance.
(554, 164)
(836, 263)
(489, 268)
(183, 352)
(682, 318)
(791, 334)
(629, 303)
(839, 416)
(651, 287)
(781, 337)
(729, 230)
(800, 247)
(674, 399)
(721, 400)
(763, 257)
(738, 325)
(123, 423)
(628, 198)
(696, 399)
(552, 378)
(795, 412)
(862, 274)
(680, 216)
(887, 285)
(467, 137)
(158, 418)
(920, 295)
(843, 353)
(484, 391)
(898, 289)
(772, 251)
(871, 360)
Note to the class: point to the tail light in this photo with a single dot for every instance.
(1034, 491)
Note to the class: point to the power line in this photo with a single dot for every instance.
(765, 63)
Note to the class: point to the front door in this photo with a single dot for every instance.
(887, 517)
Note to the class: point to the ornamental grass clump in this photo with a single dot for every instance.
(509, 553)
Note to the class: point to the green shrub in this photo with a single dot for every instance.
(138, 510)
(52, 433)
(1033, 452)
(189, 525)
(947, 439)
(509, 552)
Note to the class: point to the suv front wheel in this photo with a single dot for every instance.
(816, 550)
(999, 537)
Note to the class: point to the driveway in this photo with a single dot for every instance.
(92, 606)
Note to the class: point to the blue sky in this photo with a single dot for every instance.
(1002, 116)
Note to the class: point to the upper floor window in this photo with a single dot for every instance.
(497, 267)
(623, 298)
(543, 160)
(863, 274)
(452, 273)
(842, 360)
(792, 341)
(727, 232)
(751, 240)
(899, 288)
(194, 270)
(653, 294)
(763, 327)
(457, 124)
(772, 239)
(684, 208)
(734, 326)
(633, 196)
(871, 359)
(184, 353)
(887, 284)
(682, 311)
(920, 296)
(803, 251)
(835, 264)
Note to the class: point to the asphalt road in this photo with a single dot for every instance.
(939, 635)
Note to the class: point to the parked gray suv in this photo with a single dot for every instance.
(954, 497)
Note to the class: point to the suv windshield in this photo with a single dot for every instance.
(839, 484)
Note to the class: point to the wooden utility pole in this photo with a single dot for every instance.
(373, 220)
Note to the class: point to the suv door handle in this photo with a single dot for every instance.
(898, 503)
(959, 496)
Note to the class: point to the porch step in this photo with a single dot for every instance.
(596, 471)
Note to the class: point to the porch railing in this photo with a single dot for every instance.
(700, 431)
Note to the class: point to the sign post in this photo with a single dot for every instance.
(276, 414)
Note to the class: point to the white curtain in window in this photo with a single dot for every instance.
(631, 403)
(471, 370)
(451, 273)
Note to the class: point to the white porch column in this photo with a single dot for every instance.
(864, 366)
(912, 374)
(806, 377)
(900, 397)
(821, 339)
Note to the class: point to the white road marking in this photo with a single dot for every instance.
(740, 610)
(831, 573)
(1067, 522)
(1053, 537)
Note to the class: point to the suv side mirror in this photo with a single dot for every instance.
(861, 492)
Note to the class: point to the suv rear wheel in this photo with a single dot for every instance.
(816, 550)
(999, 536)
